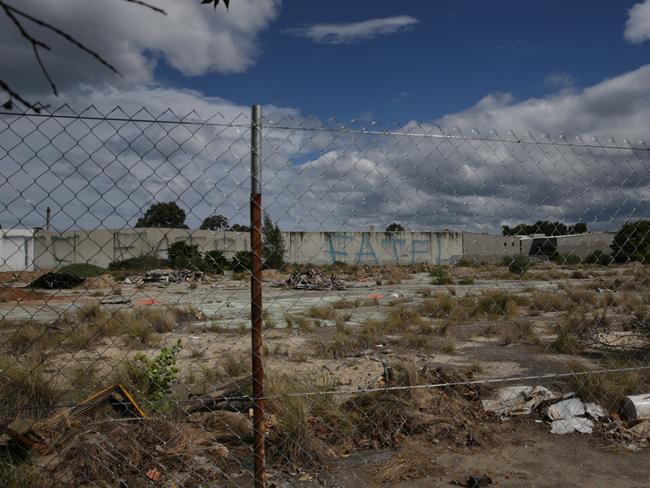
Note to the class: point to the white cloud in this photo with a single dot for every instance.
(104, 174)
(559, 80)
(347, 33)
(637, 27)
(192, 38)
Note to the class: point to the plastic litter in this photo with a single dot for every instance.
(566, 409)
(573, 424)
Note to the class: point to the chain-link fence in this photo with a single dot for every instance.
(408, 289)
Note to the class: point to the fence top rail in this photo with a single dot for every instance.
(577, 143)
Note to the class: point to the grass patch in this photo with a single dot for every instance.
(26, 390)
(293, 442)
(546, 301)
(82, 270)
(516, 331)
(609, 389)
(325, 313)
(495, 303)
(572, 331)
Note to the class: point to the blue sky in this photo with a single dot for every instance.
(559, 71)
(459, 51)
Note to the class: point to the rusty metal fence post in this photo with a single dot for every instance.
(256, 295)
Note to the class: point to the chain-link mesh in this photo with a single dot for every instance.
(421, 285)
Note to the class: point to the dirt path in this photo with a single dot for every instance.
(528, 457)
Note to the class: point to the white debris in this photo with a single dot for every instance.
(595, 411)
(566, 409)
(573, 424)
(518, 400)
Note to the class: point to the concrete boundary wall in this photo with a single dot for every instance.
(373, 247)
(101, 247)
(16, 250)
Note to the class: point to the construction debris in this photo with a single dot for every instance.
(573, 424)
(313, 279)
(172, 276)
(56, 281)
(518, 400)
(566, 409)
(566, 415)
(637, 406)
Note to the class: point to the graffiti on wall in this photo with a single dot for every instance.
(376, 247)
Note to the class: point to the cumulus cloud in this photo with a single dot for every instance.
(499, 162)
(191, 38)
(559, 80)
(347, 33)
(637, 28)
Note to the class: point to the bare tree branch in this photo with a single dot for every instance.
(13, 13)
(148, 5)
(13, 95)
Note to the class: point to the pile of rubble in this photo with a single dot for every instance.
(313, 279)
(567, 413)
(107, 440)
(56, 281)
(166, 276)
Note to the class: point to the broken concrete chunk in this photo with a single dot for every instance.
(595, 411)
(573, 424)
(518, 400)
(566, 409)
(641, 430)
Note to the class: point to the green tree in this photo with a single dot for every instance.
(240, 228)
(632, 242)
(273, 244)
(214, 222)
(163, 214)
(395, 227)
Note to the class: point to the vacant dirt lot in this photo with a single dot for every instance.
(394, 327)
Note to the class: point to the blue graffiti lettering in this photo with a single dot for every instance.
(415, 251)
(337, 245)
(366, 249)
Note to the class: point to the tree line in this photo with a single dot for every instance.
(169, 215)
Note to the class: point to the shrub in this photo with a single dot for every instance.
(567, 259)
(82, 270)
(242, 261)
(214, 262)
(466, 262)
(139, 263)
(495, 303)
(599, 257)
(153, 376)
(632, 242)
(517, 264)
(184, 255)
(441, 277)
(273, 246)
